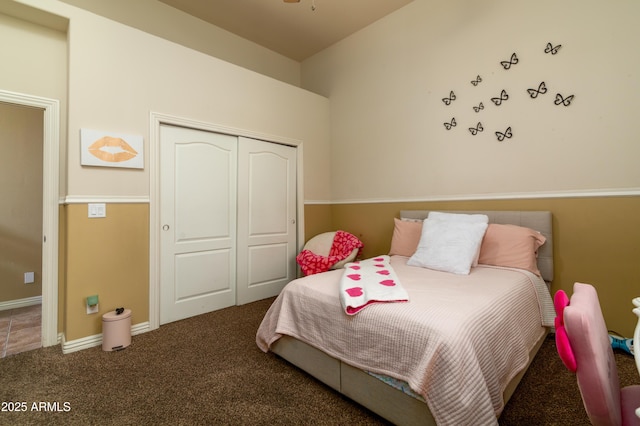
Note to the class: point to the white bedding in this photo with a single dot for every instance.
(458, 342)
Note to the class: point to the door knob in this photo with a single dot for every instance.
(165, 227)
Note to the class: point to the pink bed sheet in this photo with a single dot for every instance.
(457, 343)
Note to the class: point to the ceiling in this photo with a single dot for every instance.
(295, 30)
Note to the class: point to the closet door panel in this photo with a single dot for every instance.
(198, 182)
(266, 218)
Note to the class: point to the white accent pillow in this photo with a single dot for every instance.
(449, 245)
(459, 217)
(462, 217)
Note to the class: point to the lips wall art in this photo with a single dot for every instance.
(108, 149)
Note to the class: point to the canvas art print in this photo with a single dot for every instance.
(108, 149)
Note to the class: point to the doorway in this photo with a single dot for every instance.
(48, 233)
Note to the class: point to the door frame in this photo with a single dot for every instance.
(50, 206)
(157, 119)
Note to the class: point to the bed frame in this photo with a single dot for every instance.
(384, 400)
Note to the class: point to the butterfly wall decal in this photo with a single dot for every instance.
(451, 98)
(564, 101)
(475, 130)
(476, 81)
(512, 61)
(552, 49)
(541, 90)
(507, 134)
(503, 97)
(479, 107)
(451, 125)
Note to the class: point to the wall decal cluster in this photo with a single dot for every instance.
(500, 99)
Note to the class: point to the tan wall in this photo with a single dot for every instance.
(62, 270)
(21, 207)
(596, 240)
(108, 257)
(317, 219)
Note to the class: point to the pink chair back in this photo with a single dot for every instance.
(596, 371)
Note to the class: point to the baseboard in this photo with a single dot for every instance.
(20, 303)
(96, 339)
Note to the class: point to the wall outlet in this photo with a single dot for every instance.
(29, 277)
(92, 309)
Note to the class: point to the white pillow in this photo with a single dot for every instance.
(462, 217)
(459, 217)
(448, 245)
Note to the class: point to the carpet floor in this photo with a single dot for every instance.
(207, 370)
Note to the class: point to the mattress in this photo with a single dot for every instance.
(457, 342)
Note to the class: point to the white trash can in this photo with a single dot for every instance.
(116, 330)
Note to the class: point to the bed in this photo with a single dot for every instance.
(452, 355)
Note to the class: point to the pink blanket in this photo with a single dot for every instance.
(343, 244)
(458, 343)
(370, 281)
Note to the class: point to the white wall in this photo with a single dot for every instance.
(386, 84)
(118, 75)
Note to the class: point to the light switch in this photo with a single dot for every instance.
(97, 210)
(29, 278)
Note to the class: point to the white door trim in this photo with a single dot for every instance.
(155, 120)
(50, 206)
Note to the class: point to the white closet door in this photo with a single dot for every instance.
(266, 218)
(198, 182)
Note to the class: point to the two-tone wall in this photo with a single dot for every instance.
(572, 149)
(378, 144)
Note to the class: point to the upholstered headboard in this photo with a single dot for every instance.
(540, 221)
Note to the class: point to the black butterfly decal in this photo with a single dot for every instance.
(507, 64)
(476, 81)
(478, 108)
(503, 97)
(551, 49)
(451, 98)
(507, 134)
(449, 126)
(542, 89)
(474, 130)
(564, 101)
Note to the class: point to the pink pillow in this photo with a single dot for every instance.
(406, 236)
(511, 246)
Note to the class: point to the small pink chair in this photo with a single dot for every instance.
(583, 344)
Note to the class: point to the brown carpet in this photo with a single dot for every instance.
(208, 370)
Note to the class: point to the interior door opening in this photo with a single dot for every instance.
(47, 239)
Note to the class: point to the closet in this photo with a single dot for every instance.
(228, 219)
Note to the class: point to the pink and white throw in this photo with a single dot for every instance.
(370, 281)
